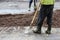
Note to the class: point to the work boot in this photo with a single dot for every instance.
(35, 8)
(37, 31)
(29, 9)
(48, 32)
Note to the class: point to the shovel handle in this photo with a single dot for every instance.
(35, 15)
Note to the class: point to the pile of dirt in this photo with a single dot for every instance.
(25, 20)
(15, 20)
(55, 19)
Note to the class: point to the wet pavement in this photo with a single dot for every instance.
(18, 33)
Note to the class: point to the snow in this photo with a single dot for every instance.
(19, 7)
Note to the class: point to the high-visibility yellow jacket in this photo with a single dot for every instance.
(47, 2)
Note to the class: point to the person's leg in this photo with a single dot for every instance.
(30, 3)
(49, 18)
(41, 18)
(35, 4)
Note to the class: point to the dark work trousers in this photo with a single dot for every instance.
(45, 11)
(30, 3)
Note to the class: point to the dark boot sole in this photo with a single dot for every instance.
(48, 32)
(37, 32)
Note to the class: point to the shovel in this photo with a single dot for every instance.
(30, 28)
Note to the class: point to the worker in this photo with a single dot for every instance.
(45, 11)
(30, 3)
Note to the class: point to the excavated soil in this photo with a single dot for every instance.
(25, 19)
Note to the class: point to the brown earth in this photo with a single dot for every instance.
(25, 19)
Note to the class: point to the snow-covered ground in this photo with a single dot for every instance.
(14, 7)
(57, 6)
(19, 7)
(10, 33)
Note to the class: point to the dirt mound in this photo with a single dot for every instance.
(25, 19)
